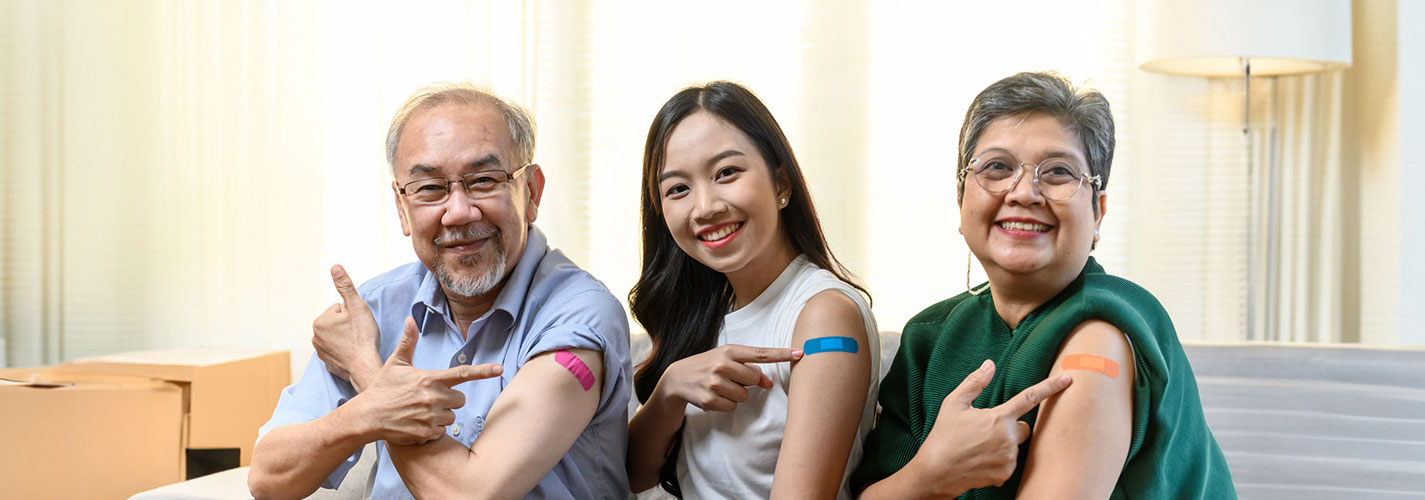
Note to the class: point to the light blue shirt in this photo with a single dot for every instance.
(547, 304)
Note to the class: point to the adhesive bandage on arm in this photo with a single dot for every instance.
(1091, 363)
(577, 367)
(829, 344)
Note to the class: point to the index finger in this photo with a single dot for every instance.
(1029, 398)
(750, 354)
(465, 373)
(349, 297)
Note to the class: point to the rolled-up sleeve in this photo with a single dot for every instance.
(316, 394)
(591, 320)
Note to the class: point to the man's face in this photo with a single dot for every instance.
(471, 243)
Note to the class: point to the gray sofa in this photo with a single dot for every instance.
(1304, 422)
(1296, 422)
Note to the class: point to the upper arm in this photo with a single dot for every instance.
(535, 421)
(538, 415)
(826, 396)
(1081, 438)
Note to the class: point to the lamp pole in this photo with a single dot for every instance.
(1252, 280)
(1266, 38)
(1261, 245)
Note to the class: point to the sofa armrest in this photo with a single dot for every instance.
(232, 484)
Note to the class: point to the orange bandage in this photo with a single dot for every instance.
(1091, 363)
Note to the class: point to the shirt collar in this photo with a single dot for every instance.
(430, 299)
(512, 297)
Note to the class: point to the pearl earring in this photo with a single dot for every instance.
(784, 201)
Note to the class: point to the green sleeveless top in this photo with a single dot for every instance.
(1172, 454)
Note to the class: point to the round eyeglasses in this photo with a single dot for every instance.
(1056, 178)
(478, 185)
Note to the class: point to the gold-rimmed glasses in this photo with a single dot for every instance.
(478, 185)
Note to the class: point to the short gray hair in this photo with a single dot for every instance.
(1083, 110)
(518, 120)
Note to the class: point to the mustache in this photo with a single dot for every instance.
(470, 231)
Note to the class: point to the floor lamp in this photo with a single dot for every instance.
(1245, 39)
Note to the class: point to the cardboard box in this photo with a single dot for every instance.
(91, 437)
(227, 394)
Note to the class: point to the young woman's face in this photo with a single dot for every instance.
(1020, 231)
(720, 200)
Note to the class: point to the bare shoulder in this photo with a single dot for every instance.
(833, 304)
(830, 313)
(1097, 337)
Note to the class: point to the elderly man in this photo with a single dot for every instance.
(506, 367)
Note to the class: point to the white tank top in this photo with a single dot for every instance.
(733, 454)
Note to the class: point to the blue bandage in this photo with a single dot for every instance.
(829, 344)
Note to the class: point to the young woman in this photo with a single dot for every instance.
(737, 278)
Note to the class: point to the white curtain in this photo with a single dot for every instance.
(184, 173)
(1303, 250)
(1242, 230)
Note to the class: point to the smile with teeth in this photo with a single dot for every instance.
(1024, 226)
(721, 233)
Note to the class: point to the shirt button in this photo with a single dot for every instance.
(461, 358)
(455, 429)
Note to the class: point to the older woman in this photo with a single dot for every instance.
(1034, 160)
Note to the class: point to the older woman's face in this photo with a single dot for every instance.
(1020, 232)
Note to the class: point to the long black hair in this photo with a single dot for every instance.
(679, 301)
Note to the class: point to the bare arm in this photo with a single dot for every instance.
(532, 425)
(404, 405)
(910, 484)
(967, 447)
(1081, 437)
(716, 380)
(292, 461)
(826, 396)
(650, 435)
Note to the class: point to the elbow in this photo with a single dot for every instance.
(264, 484)
(643, 468)
(272, 490)
(262, 488)
(640, 485)
(640, 479)
(449, 490)
(261, 491)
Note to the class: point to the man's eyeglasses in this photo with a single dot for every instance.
(483, 184)
(1057, 178)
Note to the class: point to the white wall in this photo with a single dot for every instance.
(1371, 150)
(203, 163)
(1410, 17)
(1384, 148)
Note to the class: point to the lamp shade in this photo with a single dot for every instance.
(1209, 37)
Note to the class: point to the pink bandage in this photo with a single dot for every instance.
(577, 367)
